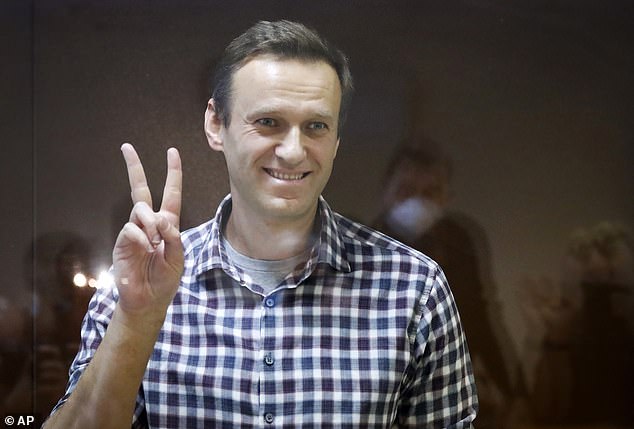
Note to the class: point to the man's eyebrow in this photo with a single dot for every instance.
(325, 115)
(263, 112)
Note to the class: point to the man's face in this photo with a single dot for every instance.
(282, 138)
(413, 180)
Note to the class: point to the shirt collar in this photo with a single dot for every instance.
(331, 246)
(329, 249)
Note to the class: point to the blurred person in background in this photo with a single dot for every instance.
(415, 211)
(44, 327)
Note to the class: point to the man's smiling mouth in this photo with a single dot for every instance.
(285, 176)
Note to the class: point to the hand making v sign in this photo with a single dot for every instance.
(148, 253)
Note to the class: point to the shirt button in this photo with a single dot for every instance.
(269, 302)
(268, 417)
(268, 359)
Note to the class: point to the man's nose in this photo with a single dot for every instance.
(291, 148)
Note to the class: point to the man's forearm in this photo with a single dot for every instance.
(106, 393)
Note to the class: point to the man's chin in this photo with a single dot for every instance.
(296, 207)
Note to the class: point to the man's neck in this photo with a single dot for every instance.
(268, 239)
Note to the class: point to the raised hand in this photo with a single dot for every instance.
(148, 254)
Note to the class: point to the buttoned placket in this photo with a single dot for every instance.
(269, 308)
(272, 308)
(268, 342)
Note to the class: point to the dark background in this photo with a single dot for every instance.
(533, 101)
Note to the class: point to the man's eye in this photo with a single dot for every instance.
(266, 122)
(318, 126)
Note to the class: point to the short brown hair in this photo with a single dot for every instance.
(285, 40)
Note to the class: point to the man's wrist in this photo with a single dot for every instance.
(141, 323)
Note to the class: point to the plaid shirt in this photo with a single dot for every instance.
(364, 334)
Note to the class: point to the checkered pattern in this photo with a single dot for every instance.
(365, 335)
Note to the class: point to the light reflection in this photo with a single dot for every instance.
(80, 280)
(105, 280)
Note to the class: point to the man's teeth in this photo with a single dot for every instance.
(285, 176)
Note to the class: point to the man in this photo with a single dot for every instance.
(277, 312)
(416, 201)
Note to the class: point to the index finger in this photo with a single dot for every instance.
(139, 189)
(172, 193)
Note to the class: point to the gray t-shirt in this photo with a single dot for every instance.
(267, 274)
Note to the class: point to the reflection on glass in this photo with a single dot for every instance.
(41, 334)
(585, 373)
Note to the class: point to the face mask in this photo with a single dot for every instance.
(412, 217)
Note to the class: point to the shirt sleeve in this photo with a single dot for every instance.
(93, 329)
(439, 389)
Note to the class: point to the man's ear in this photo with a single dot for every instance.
(213, 125)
